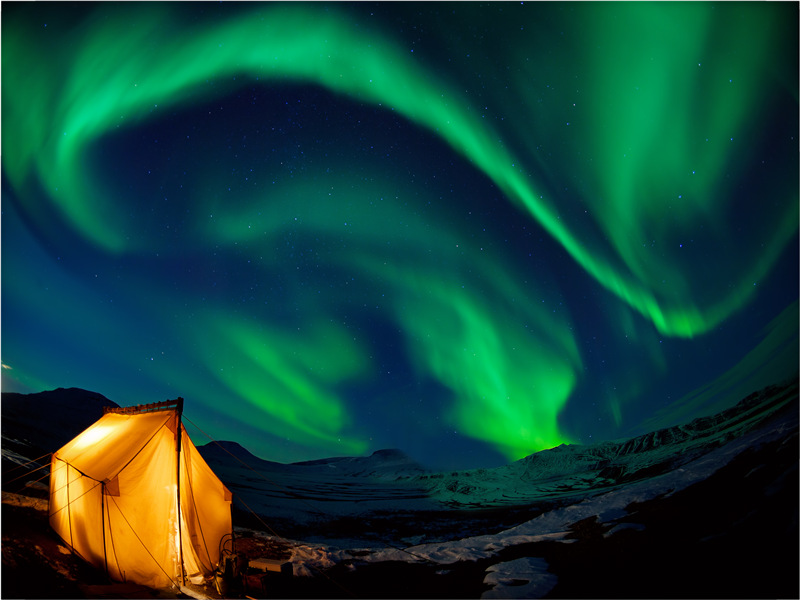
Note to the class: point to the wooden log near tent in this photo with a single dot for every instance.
(132, 496)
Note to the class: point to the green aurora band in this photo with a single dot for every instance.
(653, 174)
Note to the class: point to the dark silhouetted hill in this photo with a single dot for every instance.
(35, 424)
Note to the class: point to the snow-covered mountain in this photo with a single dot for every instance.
(389, 464)
(305, 497)
(227, 452)
(382, 464)
(390, 498)
(703, 509)
(568, 470)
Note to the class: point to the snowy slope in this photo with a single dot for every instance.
(321, 490)
(576, 469)
(388, 499)
(388, 479)
(382, 464)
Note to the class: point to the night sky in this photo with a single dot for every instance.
(469, 231)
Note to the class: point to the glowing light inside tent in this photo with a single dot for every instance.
(175, 531)
(91, 436)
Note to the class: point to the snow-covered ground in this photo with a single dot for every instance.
(525, 577)
(420, 517)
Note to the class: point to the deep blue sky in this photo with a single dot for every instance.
(468, 231)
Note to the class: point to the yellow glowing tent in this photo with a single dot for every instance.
(120, 488)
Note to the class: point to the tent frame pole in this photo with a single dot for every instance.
(179, 411)
(103, 519)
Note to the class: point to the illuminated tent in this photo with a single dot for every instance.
(120, 488)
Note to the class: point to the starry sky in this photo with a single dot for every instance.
(470, 231)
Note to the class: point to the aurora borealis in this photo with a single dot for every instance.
(470, 231)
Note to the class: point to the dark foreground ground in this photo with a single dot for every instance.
(734, 535)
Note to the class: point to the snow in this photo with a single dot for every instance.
(620, 526)
(470, 548)
(14, 456)
(525, 577)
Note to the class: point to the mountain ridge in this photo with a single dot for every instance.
(71, 410)
(576, 469)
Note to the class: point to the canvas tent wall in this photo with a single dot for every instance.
(119, 490)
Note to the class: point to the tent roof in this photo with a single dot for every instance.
(106, 448)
